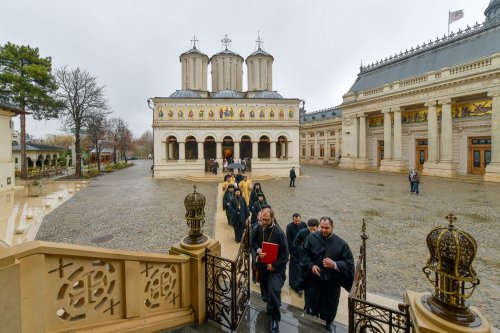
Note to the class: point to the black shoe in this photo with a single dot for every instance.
(330, 327)
(275, 326)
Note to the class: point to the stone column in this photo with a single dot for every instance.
(446, 132)
(432, 133)
(255, 149)
(283, 150)
(337, 144)
(201, 151)
(362, 136)
(170, 150)
(182, 150)
(398, 137)
(218, 152)
(492, 173)
(289, 151)
(387, 134)
(236, 150)
(273, 149)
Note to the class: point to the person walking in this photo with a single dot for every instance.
(272, 275)
(312, 226)
(257, 188)
(245, 186)
(415, 183)
(292, 229)
(239, 214)
(293, 175)
(410, 178)
(327, 264)
(226, 201)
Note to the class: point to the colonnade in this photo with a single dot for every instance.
(312, 146)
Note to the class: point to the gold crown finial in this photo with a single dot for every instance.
(451, 218)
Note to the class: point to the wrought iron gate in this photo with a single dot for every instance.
(228, 285)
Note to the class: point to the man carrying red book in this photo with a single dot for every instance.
(271, 264)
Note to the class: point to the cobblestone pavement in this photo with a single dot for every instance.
(148, 215)
(398, 223)
(140, 213)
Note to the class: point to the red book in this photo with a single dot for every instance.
(271, 250)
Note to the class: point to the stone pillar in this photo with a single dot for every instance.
(492, 173)
(398, 136)
(236, 150)
(283, 149)
(445, 167)
(361, 161)
(326, 149)
(432, 133)
(337, 144)
(201, 151)
(182, 150)
(387, 134)
(255, 149)
(273, 149)
(170, 150)
(289, 151)
(218, 152)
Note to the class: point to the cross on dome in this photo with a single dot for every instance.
(226, 41)
(451, 218)
(194, 41)
(259, 40)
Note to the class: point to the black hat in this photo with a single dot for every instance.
(230, 186)
(260, 194)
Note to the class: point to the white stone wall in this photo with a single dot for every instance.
(6, 164)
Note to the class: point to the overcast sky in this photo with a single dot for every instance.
(133, 47)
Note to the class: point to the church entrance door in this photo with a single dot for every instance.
(420, 153)
(227, 147)
(479, 154)
(380, 151)
(209, 151)
(246, 147)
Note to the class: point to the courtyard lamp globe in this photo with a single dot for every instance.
(449, 269)
(195, 217)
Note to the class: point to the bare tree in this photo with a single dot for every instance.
(125, 143)
(116, 128)
(96, 132)
(143, 146)
(83, 100)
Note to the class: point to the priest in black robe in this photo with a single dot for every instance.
(257, 207)
(294, 272)
(228, 196)
(272, 276)
(239, 213)
(257, 188)
(327, 264)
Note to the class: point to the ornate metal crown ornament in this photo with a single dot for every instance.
(449, 269)
(195, 217)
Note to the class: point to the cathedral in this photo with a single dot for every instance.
(194, 125)
(433, 108)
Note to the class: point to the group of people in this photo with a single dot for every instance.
(320, 263)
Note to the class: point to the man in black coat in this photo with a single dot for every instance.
(257, 207)
(239, 214)
(257, 188)
(294, 273)
(272, 276)
(228, 196)
(293, 175)
(327, 264)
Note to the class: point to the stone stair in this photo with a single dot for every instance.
(210, 178)
(255, 320)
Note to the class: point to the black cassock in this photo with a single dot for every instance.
(271, 283)
(325, 289)
(254, 195)
(228, 196)
(294, 272)
(239, 213)
(297, 248)
(256, 208)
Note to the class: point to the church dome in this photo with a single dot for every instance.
(492, 12)
(226, 94)
(268, 94)
(260, 70)
(194, 68)
(227, 68)
(185, 94)
(226, 52)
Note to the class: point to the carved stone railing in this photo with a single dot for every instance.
(369, 317)
(54, 287)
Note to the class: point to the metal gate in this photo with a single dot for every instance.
(228, 285)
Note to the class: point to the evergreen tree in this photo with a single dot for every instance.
(26, 81)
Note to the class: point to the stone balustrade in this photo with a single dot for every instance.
(54, 287)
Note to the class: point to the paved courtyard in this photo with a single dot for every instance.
(129, 210)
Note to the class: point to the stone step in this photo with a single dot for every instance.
(255, 320)
(209, 178)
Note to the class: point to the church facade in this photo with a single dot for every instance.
(194, 126)
(434, 108)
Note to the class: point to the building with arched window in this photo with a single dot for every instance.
(193, 125)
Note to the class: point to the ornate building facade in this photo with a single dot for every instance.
(194, 125)
(435, 108)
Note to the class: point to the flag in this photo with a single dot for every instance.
(455, 16)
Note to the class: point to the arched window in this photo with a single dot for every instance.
(282, 147)
(246, 147)
(264, 147)
(191, 148)
(172, 148)
(227, 147)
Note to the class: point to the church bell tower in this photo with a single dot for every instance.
(194, 68)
